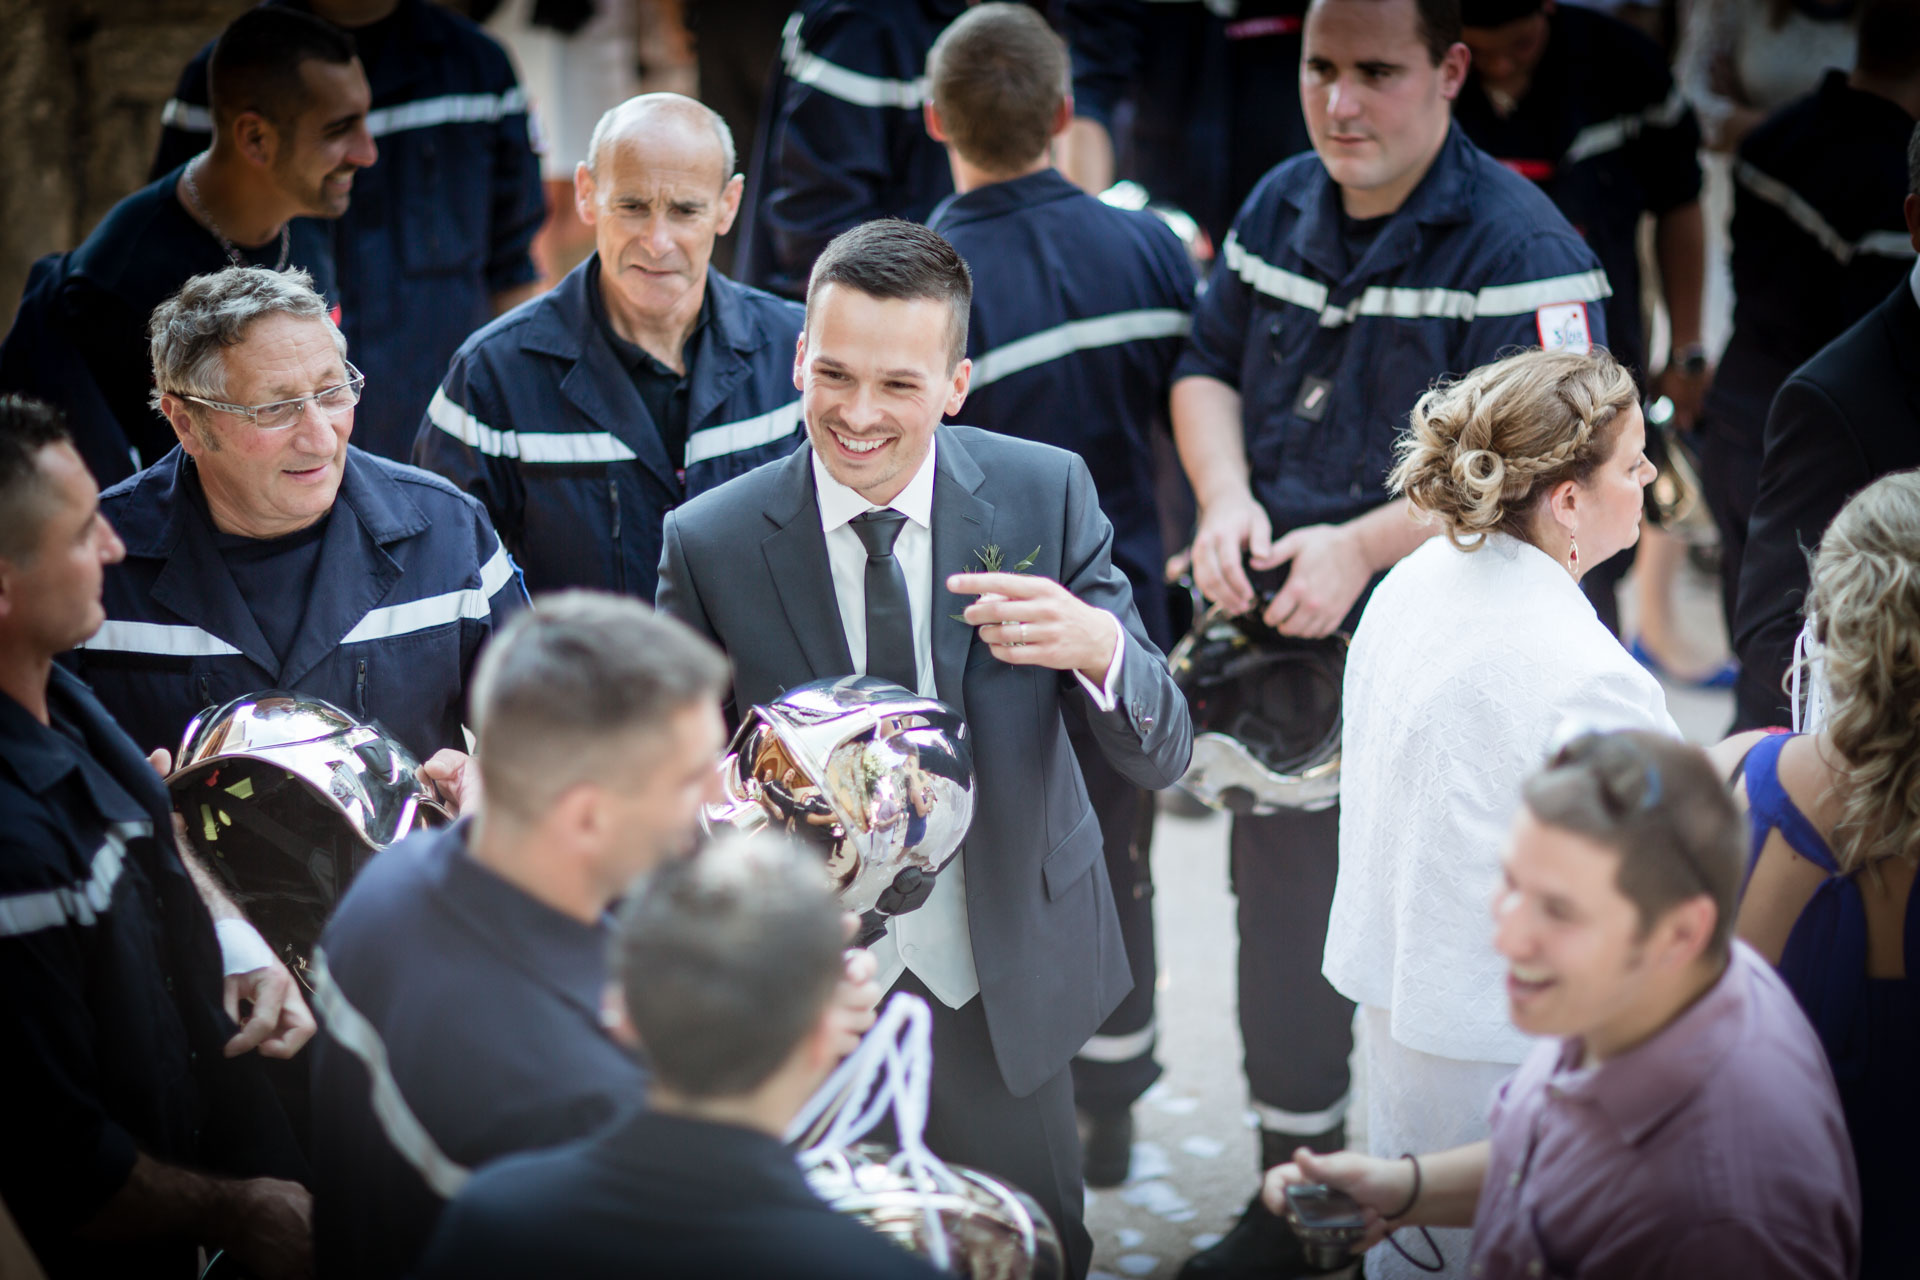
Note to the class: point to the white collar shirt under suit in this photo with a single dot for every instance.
(932, 940)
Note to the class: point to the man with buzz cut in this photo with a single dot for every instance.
(867, 552)
(1394, 254)
(645, 377)
(1078, 311)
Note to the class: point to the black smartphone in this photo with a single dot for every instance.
(1318, 1207)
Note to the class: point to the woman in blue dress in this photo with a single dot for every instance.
(1835, 821)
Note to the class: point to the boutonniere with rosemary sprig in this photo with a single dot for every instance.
(994, 560)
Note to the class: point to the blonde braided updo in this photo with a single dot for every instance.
(1481, 450)
(1865, 594)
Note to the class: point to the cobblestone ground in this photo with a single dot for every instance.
(1195, 1151)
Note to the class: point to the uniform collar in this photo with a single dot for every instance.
(998, 198)
(1444, 197)
(563, 323)
(40, 755)
(1639, 1089)
(839, 504)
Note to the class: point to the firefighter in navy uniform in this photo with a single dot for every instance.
(265, 552)
(437, 240)
(1819, 240)
(1352, 278)
(645, 377)
(1582, 104)
(1210, 88)
(1078, 311)
(840, 142)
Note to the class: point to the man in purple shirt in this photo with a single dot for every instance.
(1682, 1121)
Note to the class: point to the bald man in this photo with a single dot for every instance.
(646, 377)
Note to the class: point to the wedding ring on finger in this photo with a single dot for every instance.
(1022, 641)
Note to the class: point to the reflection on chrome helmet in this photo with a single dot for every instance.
(993, 1230)
(1266, 715)
(877, 778)
(287, 796)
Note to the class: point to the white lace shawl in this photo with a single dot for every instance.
(1464, 667)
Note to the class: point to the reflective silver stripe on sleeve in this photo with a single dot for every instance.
(1407, 303)
(24, 913)
(450, 108)
(748, 433)
(421, 615)
(534, 447)
(1124, 1048)
(1609, 135)
(184, 115)
(856, 87)
(1800, 211)
(115, 636)
(1078, 335)
(402, 1128)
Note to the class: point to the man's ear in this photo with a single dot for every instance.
(583, 194)
(1453, 69)
(1685, 932)
(181, 420)
(256, 139)
(1911, 207)
(957, 393)
(729, 203)
(800, 360)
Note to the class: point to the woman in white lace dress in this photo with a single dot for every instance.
(1472, 654)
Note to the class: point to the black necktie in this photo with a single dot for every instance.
(889, 619)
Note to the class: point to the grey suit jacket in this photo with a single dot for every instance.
(746, 564)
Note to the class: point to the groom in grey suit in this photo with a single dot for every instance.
(867, 551)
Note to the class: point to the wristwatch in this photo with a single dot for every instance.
(1691, 359)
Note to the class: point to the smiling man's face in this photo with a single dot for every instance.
(876, 375)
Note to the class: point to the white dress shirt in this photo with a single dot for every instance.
(933, 940)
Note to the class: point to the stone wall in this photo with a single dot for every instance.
(81, 87)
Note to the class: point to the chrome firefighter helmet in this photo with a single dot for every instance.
(1266, 715)
(878, 779)
(992, 1229)
(287, 796)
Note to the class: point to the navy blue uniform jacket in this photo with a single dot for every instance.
(459, 1022)
(1819, 238)
(540, 422)
(1604, 131)
(660, 1197)
(841, 140)
(411, 579)
(438, 225)
(1078, 312)
(1475, 263)
(111, 1029)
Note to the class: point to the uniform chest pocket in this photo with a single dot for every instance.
(411, 684)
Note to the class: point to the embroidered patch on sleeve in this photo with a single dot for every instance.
(1563, 327)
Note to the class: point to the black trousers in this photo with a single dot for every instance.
(1297, 1030)
(1117, 1065)
(1730, 481)
(973, 1120)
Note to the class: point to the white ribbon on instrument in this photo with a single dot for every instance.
(890, 1071)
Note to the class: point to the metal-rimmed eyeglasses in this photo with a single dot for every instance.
(281, 414)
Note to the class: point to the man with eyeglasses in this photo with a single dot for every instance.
(1680, 1119)
(264, 552)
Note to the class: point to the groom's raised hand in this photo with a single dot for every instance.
(1027, 620)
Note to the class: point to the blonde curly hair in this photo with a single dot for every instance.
(1865, 595)
(1480, 450)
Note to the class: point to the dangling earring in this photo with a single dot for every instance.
(1573, 555)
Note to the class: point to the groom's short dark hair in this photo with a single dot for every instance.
(894, 258)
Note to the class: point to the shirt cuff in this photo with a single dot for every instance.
(1103, 693)
(242, 949)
